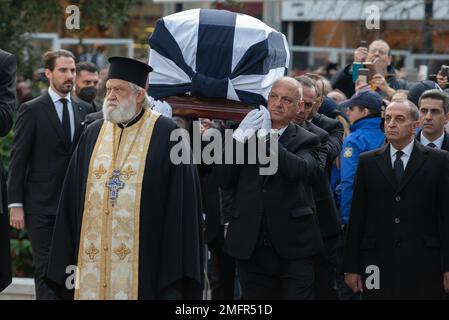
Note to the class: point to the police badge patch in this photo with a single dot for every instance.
(348, 152)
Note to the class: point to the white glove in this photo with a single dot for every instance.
(162, 107)
(266, 123)
(249, 125)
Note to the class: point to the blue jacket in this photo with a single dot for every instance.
(366, 135)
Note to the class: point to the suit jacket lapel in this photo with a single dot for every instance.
(417, 158)
(445, 145)
(283, 140)
(50, 109)
(418, 136)
(384, 163)
(286, 136)
(77, 112)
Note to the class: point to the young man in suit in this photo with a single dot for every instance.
(86, 83)
(7, 103)
(273, 231)
(397, 244)
(433, 116)
(46, 133)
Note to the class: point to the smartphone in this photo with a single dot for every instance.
(444, 71)
(363, 76)
(363, 43)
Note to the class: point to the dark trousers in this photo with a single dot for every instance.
(344, 292)
(40, 231)
(265, 275)
(5, 254)
(326, 271)
(222, 273)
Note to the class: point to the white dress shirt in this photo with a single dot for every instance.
(438, 142)
(59, 108)
(281, 130)
(405, 157)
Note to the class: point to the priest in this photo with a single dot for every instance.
(129, 220)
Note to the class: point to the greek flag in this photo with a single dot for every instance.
(216, 53)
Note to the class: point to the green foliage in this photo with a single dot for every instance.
(18, 18)
(21, 254)
(5, 149)
(103, 12)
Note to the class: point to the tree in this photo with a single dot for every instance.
(18, 18)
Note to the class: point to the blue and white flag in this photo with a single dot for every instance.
(216, 53)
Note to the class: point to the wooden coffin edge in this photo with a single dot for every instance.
(212, 108)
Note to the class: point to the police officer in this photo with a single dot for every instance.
(364, 114)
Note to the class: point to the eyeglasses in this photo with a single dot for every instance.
(381, 52)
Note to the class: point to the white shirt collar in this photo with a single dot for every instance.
(438, 142)
(281, 130)
(56, 97)
(407, 149)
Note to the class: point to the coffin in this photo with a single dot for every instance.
(215, 63)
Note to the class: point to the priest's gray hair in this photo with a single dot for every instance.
(136, 89)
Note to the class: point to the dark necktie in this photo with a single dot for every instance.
(432, 145)
(398, 166)
(66, 121)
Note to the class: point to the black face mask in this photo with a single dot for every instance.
(88, 94)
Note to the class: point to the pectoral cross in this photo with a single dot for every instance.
(114, 185)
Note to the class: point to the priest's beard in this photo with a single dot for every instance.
(120, 112)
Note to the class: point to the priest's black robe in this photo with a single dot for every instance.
(170, 241)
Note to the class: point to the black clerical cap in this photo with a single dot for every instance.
(130, 70)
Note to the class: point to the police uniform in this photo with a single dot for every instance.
(366, 135)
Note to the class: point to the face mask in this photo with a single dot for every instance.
(88, 94)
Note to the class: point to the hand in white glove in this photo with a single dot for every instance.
(162, 107)
(249, 125)
(266, 123)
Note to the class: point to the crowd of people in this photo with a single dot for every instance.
(355, 210)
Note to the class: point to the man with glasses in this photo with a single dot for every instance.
(325, 264)
(384, 81)
(312, 101)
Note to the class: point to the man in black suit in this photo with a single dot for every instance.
(273, 231)
(326, 262)
(46, 133)
(221, 268)
(86, 83)
(397, 244)
(433, 115)
(7, 103)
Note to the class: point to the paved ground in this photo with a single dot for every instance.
(19, 289)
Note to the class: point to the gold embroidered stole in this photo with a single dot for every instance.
(108, 256)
